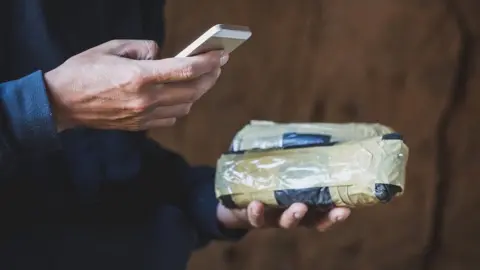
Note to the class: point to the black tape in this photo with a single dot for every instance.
(293, 141)
(302, 139)
(386, 192)
(316, 196)
(392, 136)
(226, 200)
(313, 197)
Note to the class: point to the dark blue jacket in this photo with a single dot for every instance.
(88, 199)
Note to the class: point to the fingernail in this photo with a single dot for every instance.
(339, 218)
(254, 212)
(224, 59)
(297, 215)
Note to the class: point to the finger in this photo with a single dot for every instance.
(133, 49)
(335, 215)
(139, 50)
(255, 213)
(181, 69)
(174, 111)
(292, 216)
(202, 84)
(182, 92)
(159, 123)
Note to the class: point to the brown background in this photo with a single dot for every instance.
(409, 64)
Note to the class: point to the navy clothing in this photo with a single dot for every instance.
(88, 199)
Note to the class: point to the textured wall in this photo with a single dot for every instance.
(410, 64)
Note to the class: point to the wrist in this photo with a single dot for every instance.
(51, 80)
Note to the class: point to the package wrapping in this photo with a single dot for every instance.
(319, 164)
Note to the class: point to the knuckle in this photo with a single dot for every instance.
(113, 42)
(137, 106)
(214, 61)
(136, 81)
(152, 48)
(187, 72)
(135, 77)
(118, 42)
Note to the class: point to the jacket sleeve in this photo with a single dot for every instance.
(26, 122)
(191, 189)
(202, 206)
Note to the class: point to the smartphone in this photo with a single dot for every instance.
(219, 37)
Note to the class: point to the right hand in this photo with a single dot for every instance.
(119, 85)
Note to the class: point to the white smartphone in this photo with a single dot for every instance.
(219, 37)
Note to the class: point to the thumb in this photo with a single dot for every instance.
(133, 49)
(232, 219)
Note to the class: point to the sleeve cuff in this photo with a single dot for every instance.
(204, 206)
(29, 114)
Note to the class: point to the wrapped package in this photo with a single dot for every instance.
(321, 165)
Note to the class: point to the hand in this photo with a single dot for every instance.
(119, 85)
(256, 216)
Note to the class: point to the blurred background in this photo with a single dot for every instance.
(409, 64)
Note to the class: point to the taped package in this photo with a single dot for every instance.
(319, 164)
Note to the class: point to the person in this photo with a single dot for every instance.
(82, 187)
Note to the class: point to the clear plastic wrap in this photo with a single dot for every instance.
(321, 165)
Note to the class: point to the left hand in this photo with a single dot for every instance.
(298, 214)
